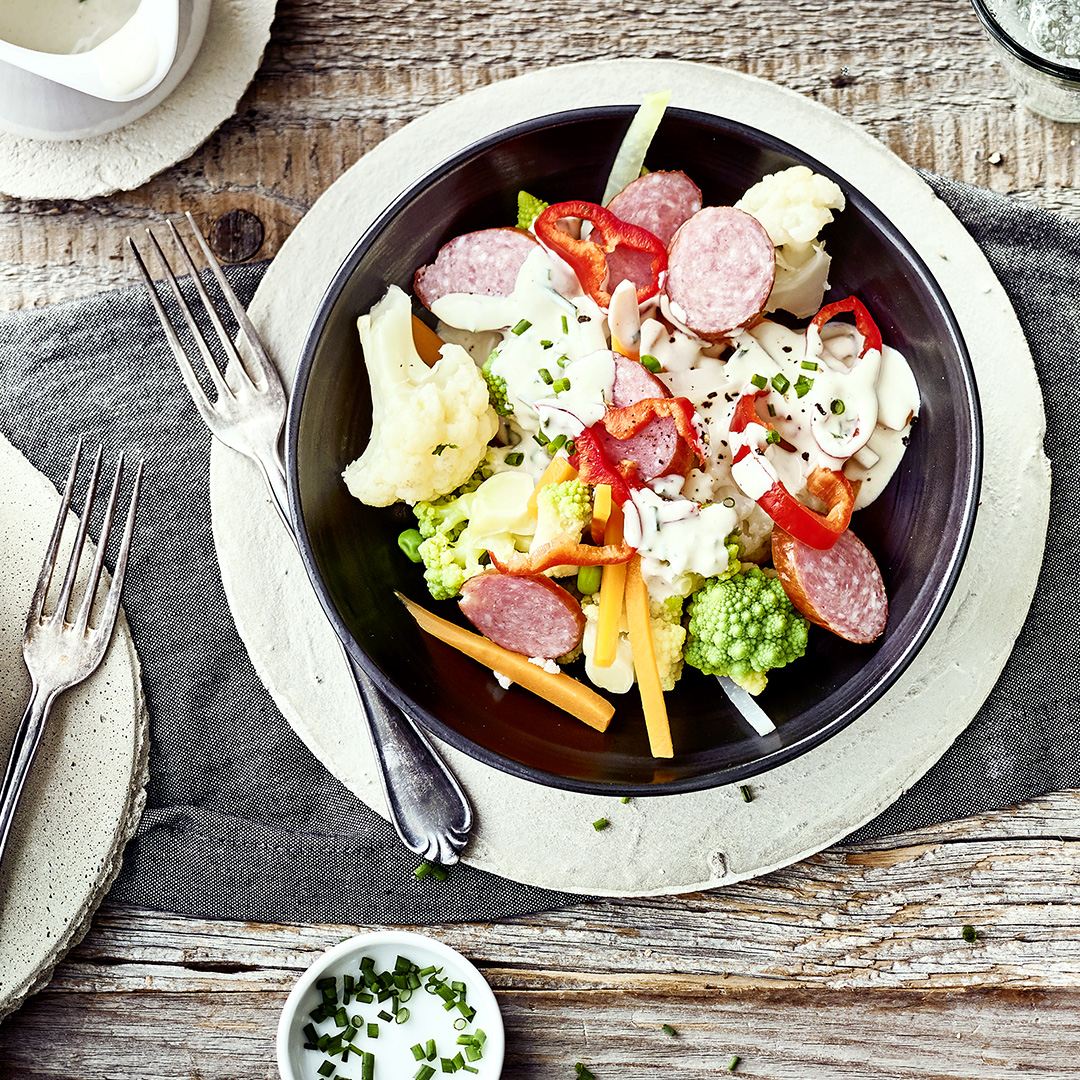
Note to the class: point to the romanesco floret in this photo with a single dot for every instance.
(529, 208)
(496, 388)
(449, 513)
(669, 636)
(444, 566)
(562, 510)
(743, 627)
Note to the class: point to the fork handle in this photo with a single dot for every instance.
(23, 749)
(427, 807)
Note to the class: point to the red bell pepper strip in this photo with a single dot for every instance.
(864, 321)
(816, 530)
(588, 258)
(562, 551)
(628, 420)
(594, 467)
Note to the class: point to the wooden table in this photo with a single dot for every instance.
(850, 964)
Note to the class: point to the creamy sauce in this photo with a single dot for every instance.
(62, 26)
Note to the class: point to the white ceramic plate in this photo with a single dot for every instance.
(692, 841)
(86, 790)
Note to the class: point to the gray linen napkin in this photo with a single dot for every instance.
(242, 822)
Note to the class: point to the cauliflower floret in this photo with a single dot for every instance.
(794, 206)
(743, 627)
(430, 426)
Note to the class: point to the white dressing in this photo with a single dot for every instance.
(62, 26)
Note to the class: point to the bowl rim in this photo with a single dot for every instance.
(703, 781)
(1026, 56)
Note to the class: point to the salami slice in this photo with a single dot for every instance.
(526, 614)
(721, 265)
(659, 202)
(658, 449)
(840, 589)
(483, 263)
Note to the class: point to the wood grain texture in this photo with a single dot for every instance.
(850, 964)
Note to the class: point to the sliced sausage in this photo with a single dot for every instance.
(659, 202)
(483, 263)
(527, 614)
(721, 265)
(840, 589)
(658, 448)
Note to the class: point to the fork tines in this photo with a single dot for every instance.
(112, 600)
(255, 363)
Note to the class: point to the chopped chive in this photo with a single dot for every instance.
(429, 1049)
(560, 386)
(781, 383)
(545, 375)
(557, 444)
(425, 1072)
(667, 1029)
(418, 1051)
(514, 459)
(651, 364)
(438, 873)
(545, 344)
(583, 1073)
(327, 1068)
(460, 1024)
(570, 447)
(473, 1053)
(809, 365)
(402, 1016)
(772, 410)
(803, 385)
(322, 984)
(457, 1061)
(565, 325)
(837, 406)
(341, 1018)
(373, 1031)
(466, 1010)
(406, 994)
(357, 1020)
(733, 1062)
(349, 1034)
(481, 1036)
(563, 360)
(772, 437)
(424, 972)
(600, 824)
(447, 1065)
(469, 1068)
(310, 1033)
(317, 1014)
(368, 1066)
(422, 871)
(541, 438)
(759, 381)
(747, 794)
(969, 933)
(384, 1015)
(521, 327)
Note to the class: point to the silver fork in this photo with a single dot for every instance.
(58, 653)
(426, 804)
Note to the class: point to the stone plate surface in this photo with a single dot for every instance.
(86, 790)
(124, 159)
(699, 840)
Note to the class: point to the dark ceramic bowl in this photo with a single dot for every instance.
(918, 529)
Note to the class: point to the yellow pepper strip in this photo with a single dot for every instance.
(648, 677)
(601, 511)
(612, 587)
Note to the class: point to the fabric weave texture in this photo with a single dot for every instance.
(242, 822)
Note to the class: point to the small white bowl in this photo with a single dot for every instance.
(428, 1019)
(125, 66)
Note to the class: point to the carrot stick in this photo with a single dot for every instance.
(560, 690)
(648, 677)
(427, 342)
(601, 511)
(559, 470)
(612, 587)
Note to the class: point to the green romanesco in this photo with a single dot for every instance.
(529, 208)
(562, 510)
(496, 388)
(742, 627)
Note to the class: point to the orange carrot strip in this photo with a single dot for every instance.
(560, 690)
(601, 511)
(612, 586)
(648, 677)
(559, 470)
(427, 342)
